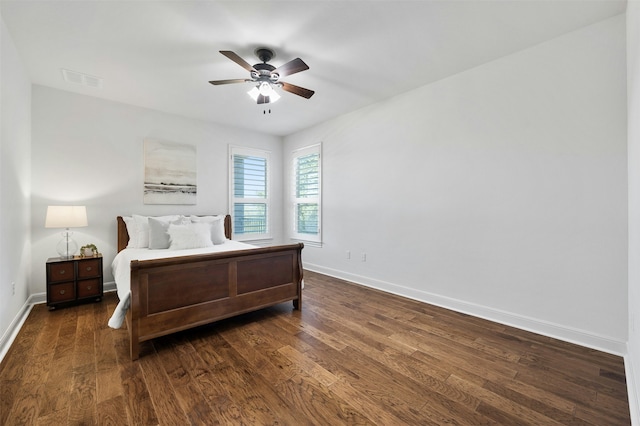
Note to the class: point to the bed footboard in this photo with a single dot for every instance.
(174, 294)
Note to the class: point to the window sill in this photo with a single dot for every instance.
(258, 241)
(308, 243)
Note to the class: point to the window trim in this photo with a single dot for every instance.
(312, 240)
(253, 152)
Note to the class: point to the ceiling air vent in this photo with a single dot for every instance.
(80, 78)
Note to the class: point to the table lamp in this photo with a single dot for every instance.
(66, 217)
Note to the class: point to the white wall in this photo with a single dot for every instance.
(500, 191)
(15, 186)
(633, 114)
(89, 151)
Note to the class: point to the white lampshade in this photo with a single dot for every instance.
(66, 217)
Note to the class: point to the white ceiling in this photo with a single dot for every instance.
(161, 54)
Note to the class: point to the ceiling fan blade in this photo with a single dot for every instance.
(238, 60)
(297, 90)
(291, 67)
(235, 80)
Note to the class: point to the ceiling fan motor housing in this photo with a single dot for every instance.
(264, 69)
(264, 73)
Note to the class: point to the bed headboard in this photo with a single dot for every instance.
(123, 235)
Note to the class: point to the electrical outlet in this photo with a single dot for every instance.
(13, 288)
(348, 254)
(364, 257)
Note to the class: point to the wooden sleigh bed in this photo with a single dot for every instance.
(178, 293)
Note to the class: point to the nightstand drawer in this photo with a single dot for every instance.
(89, 268)
(89, 288)
(61, 292)
(62, 271)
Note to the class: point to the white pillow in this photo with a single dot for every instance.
(140, 235)
(192, 235)
(158, 235)
(139, 231)
(217, 227)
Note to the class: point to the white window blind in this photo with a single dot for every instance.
(306, 194)
(249, 193)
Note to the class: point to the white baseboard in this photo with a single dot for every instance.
(14, 328)
(556, 331)
(10, 335)
(634, 406)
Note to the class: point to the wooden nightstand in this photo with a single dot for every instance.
(73, 280)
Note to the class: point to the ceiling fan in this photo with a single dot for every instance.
(265, 76)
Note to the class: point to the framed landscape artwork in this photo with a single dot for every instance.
(169, 173)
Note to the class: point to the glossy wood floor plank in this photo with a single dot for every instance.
(353, 355)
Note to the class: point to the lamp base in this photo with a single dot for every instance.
(67, 247)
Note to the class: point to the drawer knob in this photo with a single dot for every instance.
(62, 271)
(88, 268)
(88, 287)
(61, 291)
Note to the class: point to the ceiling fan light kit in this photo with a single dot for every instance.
(263, 93)
(266, 77)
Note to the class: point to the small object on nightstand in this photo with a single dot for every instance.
(73, 280)
(90, 250)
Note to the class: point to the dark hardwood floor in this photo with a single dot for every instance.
(351, 356)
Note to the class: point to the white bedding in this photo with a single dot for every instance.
(122, 272)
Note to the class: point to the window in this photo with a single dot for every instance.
(306, 200)
(249, 189)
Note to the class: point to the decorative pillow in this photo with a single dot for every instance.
(217, 227)
(139, 229)
(158, 235)
(193, 235)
